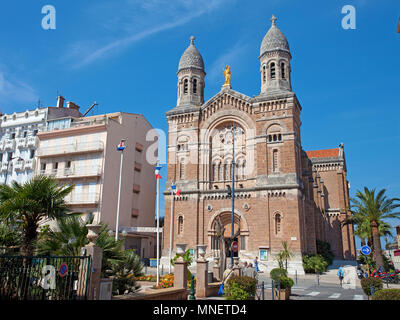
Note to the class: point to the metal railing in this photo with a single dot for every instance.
(80, 171)
(44, 277)
(84, 198)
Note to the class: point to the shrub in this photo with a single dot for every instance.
(366, 284)
(324, 249)
(240, 288)
(387, 294)
(277, 273)
(286, 282)
(314, 263)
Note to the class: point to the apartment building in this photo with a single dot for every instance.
(82, 152)
(18, 143)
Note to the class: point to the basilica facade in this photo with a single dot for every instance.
(252, 145)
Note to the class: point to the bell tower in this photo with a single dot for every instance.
(275, 61)
(191, 77)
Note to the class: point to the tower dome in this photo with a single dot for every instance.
(274, 40)
(191, 58)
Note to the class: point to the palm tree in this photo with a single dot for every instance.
(286, 254)
(30, 203)
(370, 210)
(70, 235)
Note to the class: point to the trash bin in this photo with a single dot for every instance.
(153, 262)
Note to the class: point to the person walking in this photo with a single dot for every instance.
(340, 274)
(256, 264)
(225, 277)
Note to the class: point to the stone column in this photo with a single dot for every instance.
(201, 273)
(216, 270)
(236, 268)
(180, 269)
(96, 254)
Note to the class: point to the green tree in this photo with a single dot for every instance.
(70, 235)
(373, 208)
(286, 253)
(40, 198)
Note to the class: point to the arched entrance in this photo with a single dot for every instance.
(220, 232)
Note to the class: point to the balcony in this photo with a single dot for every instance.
(135, 213)
(9, 145)
(74, 172)
(31, 142)
(83, 199)
(82, 171)
(2, 145)
(4, 166)
(86, 147)
(30, 164)
(138, 166)
(136, 188)
(19, 165)
(21, 143)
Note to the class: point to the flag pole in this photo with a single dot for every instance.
(171, 228)
(158, 225)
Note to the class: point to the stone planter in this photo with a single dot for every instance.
(285, 293)
(201, 250)
(180, 250)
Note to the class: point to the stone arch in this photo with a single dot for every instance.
(238, 216)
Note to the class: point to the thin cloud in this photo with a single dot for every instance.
(231, 57)
(184, 12)
(15, 91)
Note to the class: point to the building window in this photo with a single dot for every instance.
(242, 243)
(13, 135)
(56, 166)
(35, 132)
(25, 134)
(1, 157)
(181, 169)
(264, 74)
(194, 86)
(180, 225)
(277, 223)
(43, 167)
(31, 153)
(273, 70)
(275, 160)
(283, 70)
(9, 156)
(185, 86)
(214, 172)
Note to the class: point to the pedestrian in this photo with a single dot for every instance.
(225, 277)
(340, 274)
(256, 264)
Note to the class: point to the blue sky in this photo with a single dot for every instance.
(124, 54)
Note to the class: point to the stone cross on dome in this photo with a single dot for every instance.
(192, 40)
(273, 19)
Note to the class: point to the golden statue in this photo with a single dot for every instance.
(227, 74)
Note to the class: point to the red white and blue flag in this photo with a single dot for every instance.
(121, 146)
(175, 190)
(157, 171)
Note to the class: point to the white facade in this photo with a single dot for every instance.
(18, 144)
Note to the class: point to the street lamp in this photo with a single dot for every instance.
(121, 147)
(8, 164)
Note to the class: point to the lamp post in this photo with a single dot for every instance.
(171, 224)
(121, 147)
(8, 164)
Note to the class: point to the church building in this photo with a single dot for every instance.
(282, 193)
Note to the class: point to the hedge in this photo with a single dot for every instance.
(387, 294)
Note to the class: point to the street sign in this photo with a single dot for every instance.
(63, 270)
(234, 246)
(365, 250)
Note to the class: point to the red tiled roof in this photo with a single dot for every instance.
(323, 153)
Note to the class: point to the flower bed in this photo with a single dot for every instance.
(152, 278)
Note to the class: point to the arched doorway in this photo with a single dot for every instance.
(220, 232)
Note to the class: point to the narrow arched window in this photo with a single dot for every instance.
(220, 172)
(194, 86)
(180, 225)
(283, 70)
(273, 70)
(277, 223)
(181, 169)
(185, 86)
(244, 169)
(264, 74)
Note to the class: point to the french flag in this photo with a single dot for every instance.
(121, 146)
(157, 171)
(175, 191)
